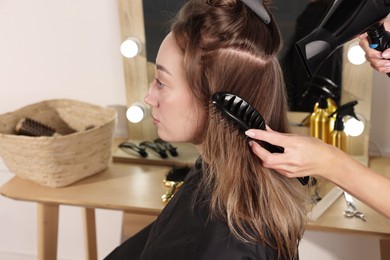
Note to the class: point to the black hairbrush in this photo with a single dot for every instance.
(245, 117)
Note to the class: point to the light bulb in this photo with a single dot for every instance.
(136, 112)
(356, 55)
(352, 126)
(131, 47)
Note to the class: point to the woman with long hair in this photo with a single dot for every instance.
(230, 206)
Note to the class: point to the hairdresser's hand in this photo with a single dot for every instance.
(378, 60)
(303, 155)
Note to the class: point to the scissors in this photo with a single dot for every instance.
(351, 211)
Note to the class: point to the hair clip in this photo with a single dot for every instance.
(173, 181)
(257, 6)
(155, 148)
(127, 145)
(172, 150)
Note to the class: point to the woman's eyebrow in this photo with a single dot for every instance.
(162, 68)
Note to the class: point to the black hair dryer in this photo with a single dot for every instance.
(344, 20)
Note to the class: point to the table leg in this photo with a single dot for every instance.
(385, 248)
(47, 231)
(90, 233)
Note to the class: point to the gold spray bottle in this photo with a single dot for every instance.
(338, 137)
(319, 121)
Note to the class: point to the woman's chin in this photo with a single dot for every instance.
(162, 135)
(170, 138)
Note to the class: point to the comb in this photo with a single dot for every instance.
(245, 117)
(30, 127)
(165, 145)
(129, 146)
(155, 147)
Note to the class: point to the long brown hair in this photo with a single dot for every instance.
(226, 47)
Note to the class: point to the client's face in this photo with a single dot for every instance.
(176, 112)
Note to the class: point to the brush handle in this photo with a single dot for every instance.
(278, 149)
(270, 147)
(303, 180)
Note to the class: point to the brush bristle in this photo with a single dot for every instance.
(30, 127)
(242, 116)
(238, 111)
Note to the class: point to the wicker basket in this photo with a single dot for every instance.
(83, 147)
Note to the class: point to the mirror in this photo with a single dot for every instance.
(148, 20)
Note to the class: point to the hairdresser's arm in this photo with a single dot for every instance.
(378, 60)
(305, 156)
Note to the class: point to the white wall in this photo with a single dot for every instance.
(57, 49)
(69, 49)
(380, 119)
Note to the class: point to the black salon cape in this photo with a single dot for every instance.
(184, 232)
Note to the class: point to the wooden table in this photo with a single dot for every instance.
(131, 188)
(138, 189)
(376, 225)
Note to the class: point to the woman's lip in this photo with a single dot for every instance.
(155, 121)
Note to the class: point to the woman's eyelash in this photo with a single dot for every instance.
(159, 83)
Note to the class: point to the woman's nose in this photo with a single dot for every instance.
(150, 98)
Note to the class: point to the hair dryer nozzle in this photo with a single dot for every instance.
(314, 49)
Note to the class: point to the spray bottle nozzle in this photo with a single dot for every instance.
(347, 109)
(318, 90)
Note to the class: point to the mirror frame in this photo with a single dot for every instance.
(137, 78)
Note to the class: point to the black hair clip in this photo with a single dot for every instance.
(125, 146)
(155, 148)
(257, 6)
(172, 150)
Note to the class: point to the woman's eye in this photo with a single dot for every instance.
(160, 85)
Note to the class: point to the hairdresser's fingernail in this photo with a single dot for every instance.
(250, 133)
(386, 55)
(250, 143)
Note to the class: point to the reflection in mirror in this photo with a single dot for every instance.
(296, 20)
(157, 15)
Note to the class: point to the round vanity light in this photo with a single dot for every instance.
(356, 55)
(131, 47)
(136, 112)
(353, 127)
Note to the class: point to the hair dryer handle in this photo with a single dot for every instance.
(379, 38)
